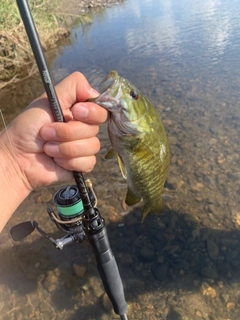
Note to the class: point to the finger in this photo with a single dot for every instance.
(68, 131)
(72, 149)
(74, 88)
(89, 112)
(82, 164)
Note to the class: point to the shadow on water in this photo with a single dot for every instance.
(166, 254)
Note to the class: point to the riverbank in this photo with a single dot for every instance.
(53, 20)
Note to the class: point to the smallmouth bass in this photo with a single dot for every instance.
(138, 139)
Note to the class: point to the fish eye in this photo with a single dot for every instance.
(134, 94)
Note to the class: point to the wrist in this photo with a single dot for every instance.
(13, 190)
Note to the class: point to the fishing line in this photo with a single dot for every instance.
(5, 126)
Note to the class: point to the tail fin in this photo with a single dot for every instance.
(153, 207)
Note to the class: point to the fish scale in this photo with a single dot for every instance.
(138, 139)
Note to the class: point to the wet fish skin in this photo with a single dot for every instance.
(139, 140)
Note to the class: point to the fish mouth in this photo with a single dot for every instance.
(107, 82)
(105, 99)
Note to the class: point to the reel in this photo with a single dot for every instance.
(68, 217)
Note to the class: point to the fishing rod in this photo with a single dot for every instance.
(77, 214)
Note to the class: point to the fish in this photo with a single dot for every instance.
(138, 139)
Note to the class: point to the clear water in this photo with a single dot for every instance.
(184, 56)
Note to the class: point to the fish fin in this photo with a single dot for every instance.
(147, 209)
(131, 198)
(148, 147)
(111, 154)
(122, 168)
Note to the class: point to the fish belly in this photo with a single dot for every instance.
(146, 161)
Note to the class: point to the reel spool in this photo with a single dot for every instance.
(70, 209)
(69, 203)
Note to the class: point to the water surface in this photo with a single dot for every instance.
(184, 264)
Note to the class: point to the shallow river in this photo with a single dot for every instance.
(184, 264)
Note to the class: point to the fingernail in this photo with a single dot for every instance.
(83, 112)
(48, 133)
(59, 160)
(94, 93)
(51, 149)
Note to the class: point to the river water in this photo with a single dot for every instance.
(184, 264)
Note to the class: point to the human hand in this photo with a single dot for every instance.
(42, 151)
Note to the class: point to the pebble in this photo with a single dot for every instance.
(235, 176)
(1, 305)
(224, 297)
(212, 250)
(160, 271)
(172, 183)
(106, 302)
(212, 141)
(230, 305)
(172, 140)
(236, 218)
(97, 290)
(174, 314)
(209, 180)
(126, 260)
(51, 281)
(210, 272)
(147, 253)
(45, 196)
(135, 283)
(79, 271)
(198, 314)
(208, 291)
(213, 209)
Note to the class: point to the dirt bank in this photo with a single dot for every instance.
(78, 8)
(16, 58)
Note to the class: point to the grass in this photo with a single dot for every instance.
(16, 59)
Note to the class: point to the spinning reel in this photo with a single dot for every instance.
(68, 217)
